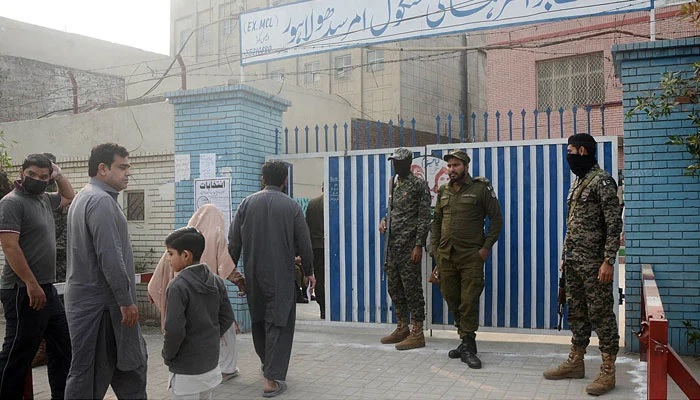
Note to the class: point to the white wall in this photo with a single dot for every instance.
(143, 129)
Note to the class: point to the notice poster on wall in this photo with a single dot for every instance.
(182, 167)
(216, 191)
(207, 165)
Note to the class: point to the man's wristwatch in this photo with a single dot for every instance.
(610, 260)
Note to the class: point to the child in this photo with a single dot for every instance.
(210, 222)
(198, 313)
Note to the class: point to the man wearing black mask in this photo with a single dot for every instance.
(407, 221)
(593, 227)
(31, 305)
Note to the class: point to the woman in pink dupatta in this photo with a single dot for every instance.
(210, 222)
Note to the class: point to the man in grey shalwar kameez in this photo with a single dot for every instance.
(270, 229)
(100, 297)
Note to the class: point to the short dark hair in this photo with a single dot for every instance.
(104, 154)
(583, 140)
(38, 160)
(274, 172)
(187, 238)
(51, 157)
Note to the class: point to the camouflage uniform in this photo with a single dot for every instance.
(592, 236)
(60, 217)
(457, 236)
(410, 221)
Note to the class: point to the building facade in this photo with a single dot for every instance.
(377, 82)
(567, 64)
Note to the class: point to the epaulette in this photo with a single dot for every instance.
(481, 179)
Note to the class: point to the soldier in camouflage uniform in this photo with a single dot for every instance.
(408, 221)
(590, 248)
(460, 247)
(60, 218)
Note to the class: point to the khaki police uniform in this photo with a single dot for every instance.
(457, 236)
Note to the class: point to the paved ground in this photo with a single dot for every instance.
(331, 361)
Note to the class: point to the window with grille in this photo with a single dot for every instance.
(227, 26)
(342, 66)
(277, 75)
(311, 74)
(204, 44)
(183, 27)
(135, 205)
(571, 81)
(375, 60)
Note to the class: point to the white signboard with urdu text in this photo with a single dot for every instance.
(321, 25)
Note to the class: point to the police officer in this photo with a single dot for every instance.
(409, 221)
(460, 247)
(592, 240)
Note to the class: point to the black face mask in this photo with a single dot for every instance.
(34, 186)
(580, 165)
(402, 167)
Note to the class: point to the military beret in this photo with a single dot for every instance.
(581, 139)
(459, 154)
(401, 153)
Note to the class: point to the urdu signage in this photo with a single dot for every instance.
(321, 25)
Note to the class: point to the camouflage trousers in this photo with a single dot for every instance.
(60, 265)
(405, 284)
(590, 306)
(461, 284)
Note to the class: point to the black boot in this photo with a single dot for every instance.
(468, 354)
(456, 353)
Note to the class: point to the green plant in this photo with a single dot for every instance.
(693, 332)
(678, 90)
(5, 159)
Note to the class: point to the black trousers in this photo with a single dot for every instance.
(320, 274)
(24, 329)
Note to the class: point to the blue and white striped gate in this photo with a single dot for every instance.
(531, 180)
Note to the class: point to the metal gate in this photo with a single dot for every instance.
(531, 180)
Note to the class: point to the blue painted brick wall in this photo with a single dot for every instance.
(237, 123)
(662, 210)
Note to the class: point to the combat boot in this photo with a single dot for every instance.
(415, 339)
(400, 333)
(573, 367)
(605, 381)
(468, 355)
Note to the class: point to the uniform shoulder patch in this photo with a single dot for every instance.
(482, 179)
(607, 180)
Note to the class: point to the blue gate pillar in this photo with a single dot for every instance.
(662, 223)
(237, 123)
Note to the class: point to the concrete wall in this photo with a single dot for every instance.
(32, 89)
(662, 205)
(140, 68)
(141, 129)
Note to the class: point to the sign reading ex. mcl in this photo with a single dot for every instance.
(321, 25)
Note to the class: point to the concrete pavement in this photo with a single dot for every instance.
(332, 361)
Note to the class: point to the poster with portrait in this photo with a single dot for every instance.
(433, 170)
